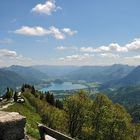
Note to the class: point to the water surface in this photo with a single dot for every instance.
(63, 86)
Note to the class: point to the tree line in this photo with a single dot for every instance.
(81, 117)
(84, 118)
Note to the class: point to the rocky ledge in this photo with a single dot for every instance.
(12, 126)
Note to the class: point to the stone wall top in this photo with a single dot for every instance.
(12, 126)
(10, 117)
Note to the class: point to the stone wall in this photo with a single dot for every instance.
(12, 126)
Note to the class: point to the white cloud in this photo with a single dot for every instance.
(56, 33)
(46, 8)
(110, 55)
(6, 41)
(40, 31)
(69, 31)
(61, 48)
(76, 57)
(133, 57)
(10, 57)
(87, 49)
(114, 47)
(134, 45)
(7, 53)
(32, 31)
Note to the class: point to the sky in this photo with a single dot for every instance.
(69, 32)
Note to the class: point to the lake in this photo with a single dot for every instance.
(63, 86)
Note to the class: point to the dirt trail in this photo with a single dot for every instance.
(5, 106)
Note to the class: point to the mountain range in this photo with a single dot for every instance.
(116, 75)
(132, 78)
(14, 76)
(100, 73)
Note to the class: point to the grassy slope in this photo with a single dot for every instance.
(32, 117)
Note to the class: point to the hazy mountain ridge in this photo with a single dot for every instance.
(129, 95)
(87, 73)
(101, 73)
(14, 76)
(54, 70)
(10, 79)
(117, 74)
(132, 78)
(29, 73)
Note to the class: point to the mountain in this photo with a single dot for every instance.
(132, 78)
(100, 73)
(54, 70)
(30, 74)
(14, 76)
(9, 79)
(128, 96)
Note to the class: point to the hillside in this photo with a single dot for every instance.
(10, 79)
(54, 70)
(100, 73)
(29, 73)
(132, 78)
(32, 117)
(79, 117)
(128, 96)
(14, 76)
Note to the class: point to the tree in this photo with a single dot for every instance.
(109, 121)
(59, 104)
(22, 88)
(15, 96)
(52, 101)
(47, 96)
(9, 94)
(33, 90)
(76, 107)
(50, 98)
(41, 96)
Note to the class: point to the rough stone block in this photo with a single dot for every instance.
(12, 126)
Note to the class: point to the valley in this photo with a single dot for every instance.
(41, 88)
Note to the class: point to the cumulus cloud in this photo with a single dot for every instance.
(87, 49)
(10, 57)
(134, 45)
(40, 31)
(56, 33)
(32, 31)
(76, 57)
(47, 8)
(114, 47)
(69, 31)
(110, 55)
(7, 53)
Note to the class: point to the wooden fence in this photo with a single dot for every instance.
(44, 130)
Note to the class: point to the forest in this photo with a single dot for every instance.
(77, 115)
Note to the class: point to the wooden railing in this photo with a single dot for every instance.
(44, 130)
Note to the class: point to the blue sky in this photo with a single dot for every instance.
(75, 32)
